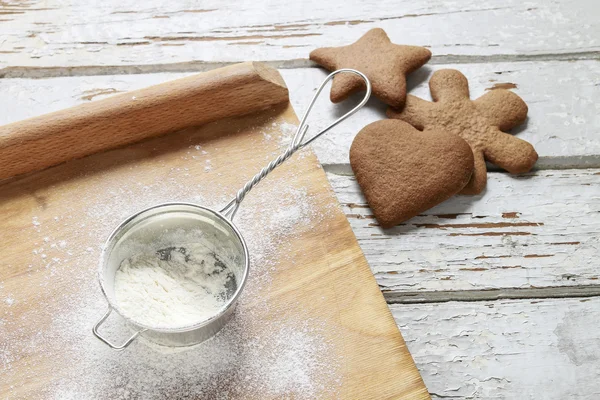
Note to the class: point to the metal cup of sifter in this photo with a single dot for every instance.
(149, 227)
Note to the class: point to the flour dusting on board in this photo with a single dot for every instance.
(266, 349)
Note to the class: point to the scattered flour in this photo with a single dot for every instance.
(267, 349)
(174, 287)
(288, 131)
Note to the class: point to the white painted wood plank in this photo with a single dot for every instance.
(64, 33)
(537, 230)
(541, 349)
(563, 97)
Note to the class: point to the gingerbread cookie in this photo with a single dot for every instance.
(384, 63)
(403, 172)
(480, 122)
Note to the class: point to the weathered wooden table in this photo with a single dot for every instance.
(496, 295)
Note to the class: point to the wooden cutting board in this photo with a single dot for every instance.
(312, 323)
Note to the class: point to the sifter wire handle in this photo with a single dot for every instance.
(298, 141)
(96, 332)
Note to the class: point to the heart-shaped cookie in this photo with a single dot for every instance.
(403, 172)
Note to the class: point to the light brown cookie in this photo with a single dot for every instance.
(403, 172)
(384, 63)
(480, 122)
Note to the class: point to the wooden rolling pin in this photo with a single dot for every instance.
(51, 139)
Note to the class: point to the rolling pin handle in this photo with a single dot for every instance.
(110, 344)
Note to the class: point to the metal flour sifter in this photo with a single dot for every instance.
(151, 226)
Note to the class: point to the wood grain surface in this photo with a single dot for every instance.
(508, 349)
(537, 230)
(321, 272)
(133, 37)
(547, 52)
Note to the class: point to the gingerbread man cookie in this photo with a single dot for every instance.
(479, 122)
(384, 63)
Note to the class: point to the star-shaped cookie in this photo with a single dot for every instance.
(479, 122)
(384, 63)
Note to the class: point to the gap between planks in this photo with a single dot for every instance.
(556, 292)
(544, 163)
(202, 66)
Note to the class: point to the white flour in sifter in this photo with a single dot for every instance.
(173, 287)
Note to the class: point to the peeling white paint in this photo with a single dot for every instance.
(517, 349)
(536, 230)
(481, 350)
(579, 338)
(59, 33)
(536, 83)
